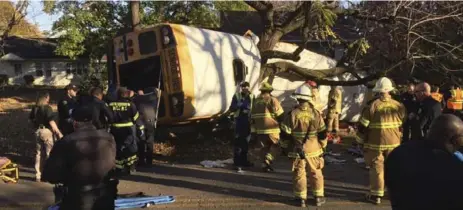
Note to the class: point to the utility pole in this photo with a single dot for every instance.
(135, 11)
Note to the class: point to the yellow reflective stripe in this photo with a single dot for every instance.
(267, 131)
(377, 192)
(141, 127)
(384, 125)
(298, 134)
(119, 104)
(121, 125)
(318, 193)
(285, 128)
(321, 128)
(380, 147)
(126, 162)
(279, 112)
(262, 115)
(364, 122)
(269, 156)
(253, 129)
(283, 143)
(136, 116)
(308, 155)
(302, 195)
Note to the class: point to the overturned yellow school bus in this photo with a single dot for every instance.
(198, 71)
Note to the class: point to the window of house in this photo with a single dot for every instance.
(79, 68)
(239, 70)
(18, 69)
(68, 68)
(47, 68)
(85, 68)
(38, 69)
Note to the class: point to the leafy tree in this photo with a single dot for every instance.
(13, 22)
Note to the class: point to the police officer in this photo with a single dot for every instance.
(83, 161)
(307, 128)
(127, 130)
(241, 106)
(65, 106)
(102, 115)
(147, 106)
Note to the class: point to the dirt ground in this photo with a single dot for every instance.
(177, 171)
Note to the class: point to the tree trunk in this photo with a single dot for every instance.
(269, 40)
(135, 11)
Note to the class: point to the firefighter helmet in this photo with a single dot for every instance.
(304, 92)
(383, 85)
(265, 86)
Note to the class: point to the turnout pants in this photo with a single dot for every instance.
(146, 147)
(375, 159)
(313, 168)
(269, 145)
(126, 147)
(333, 121)
(44, 143)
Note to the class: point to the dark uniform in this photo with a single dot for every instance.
(102, 115)
(82, 161)
(126, 128)
(147, 105)
(241, 106)
(64, 112)
(429, 109)
(410, 103)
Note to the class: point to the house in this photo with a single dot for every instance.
(37, 57)
(238, 22)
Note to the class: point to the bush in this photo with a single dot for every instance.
(29, 80)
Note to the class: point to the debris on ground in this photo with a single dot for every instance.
(216, 163)
(359, 160)
(331, 153)
(334, 160)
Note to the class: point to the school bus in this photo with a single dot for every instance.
(198, 70)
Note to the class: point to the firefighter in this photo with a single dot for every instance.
(334, 109)
(266, 114)
(455, 102)
(307, 128)
(380, 123)
(316, 95)
(65, 106)
(241, 106)
(126, 129)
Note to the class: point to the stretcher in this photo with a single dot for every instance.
(134, 202)
(9, 172)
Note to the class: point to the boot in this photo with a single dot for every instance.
(373, 199)
(267, 168)
(302, 203)
(299, 202)
(319, 201)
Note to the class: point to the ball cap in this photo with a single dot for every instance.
(71, 87)
(82, 114)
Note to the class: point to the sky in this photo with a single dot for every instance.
(37, 16)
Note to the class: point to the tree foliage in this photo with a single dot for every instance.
(89, 25)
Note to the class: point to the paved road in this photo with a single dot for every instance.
(196, 187)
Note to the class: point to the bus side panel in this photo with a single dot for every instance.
(186, 69)
(213, 53)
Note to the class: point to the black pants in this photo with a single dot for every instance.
(406, 127)
(240, 157)
(146, 148)
(100, 198)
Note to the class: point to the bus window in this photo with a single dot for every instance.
(239, 70)
(147, 42)
(140, 74)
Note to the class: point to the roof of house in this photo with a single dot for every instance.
(238, 22)
(32, 48)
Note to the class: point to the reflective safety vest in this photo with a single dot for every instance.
(437, 96)
(456, 101)
(239, 97)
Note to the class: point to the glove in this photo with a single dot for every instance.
(300, 152)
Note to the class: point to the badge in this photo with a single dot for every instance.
(65, 102)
